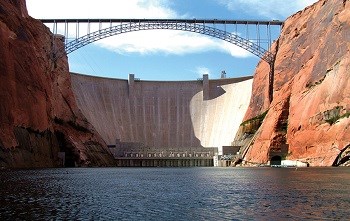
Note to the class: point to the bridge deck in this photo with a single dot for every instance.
(209, 21)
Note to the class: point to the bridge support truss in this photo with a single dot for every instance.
(253, 36)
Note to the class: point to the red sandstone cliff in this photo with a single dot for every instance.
(38, 113)
(308, 119)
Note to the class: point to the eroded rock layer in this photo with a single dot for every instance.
(308, 119)
(38, 114)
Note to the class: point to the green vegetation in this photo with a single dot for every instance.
(331, 68)
(332, 116)
(337, 117)
(259, 118)
(252, 125)
(311, 85)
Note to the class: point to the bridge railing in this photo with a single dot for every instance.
(207, 154)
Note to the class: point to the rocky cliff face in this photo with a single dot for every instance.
(308, 119)
(38, 113)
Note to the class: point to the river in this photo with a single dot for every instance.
(175, 194)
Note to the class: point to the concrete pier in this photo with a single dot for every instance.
(206, 87)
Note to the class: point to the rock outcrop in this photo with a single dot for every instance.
(38, 114)
(308, 119)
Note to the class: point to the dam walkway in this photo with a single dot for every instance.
(141, 156)
(165, 162)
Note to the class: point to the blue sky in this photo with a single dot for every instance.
(164, 54)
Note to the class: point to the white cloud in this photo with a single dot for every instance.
(272, 9)
(142, 42)
(202, 70)
(100, 9)
(168, 42)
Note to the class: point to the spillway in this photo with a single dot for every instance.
(164, 114)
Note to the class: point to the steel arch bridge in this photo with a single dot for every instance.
(110, 27)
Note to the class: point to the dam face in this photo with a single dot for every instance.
(164, 115)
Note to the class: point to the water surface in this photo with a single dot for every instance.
(175, 194)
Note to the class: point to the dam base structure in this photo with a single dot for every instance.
(164, 123)
(137, 155)
(164, 162)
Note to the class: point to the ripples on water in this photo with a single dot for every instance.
(175, 194)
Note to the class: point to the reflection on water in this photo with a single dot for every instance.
(176, 194)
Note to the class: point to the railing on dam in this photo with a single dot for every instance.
(207, 154)
(164, 162)
(137, 155)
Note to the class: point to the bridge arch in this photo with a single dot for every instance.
(200, 28)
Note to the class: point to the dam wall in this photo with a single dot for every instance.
(163, 115)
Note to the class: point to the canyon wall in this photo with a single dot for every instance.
(308, 119)
(164, 114)
(38, 114)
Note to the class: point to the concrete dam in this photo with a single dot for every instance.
(164, 119)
